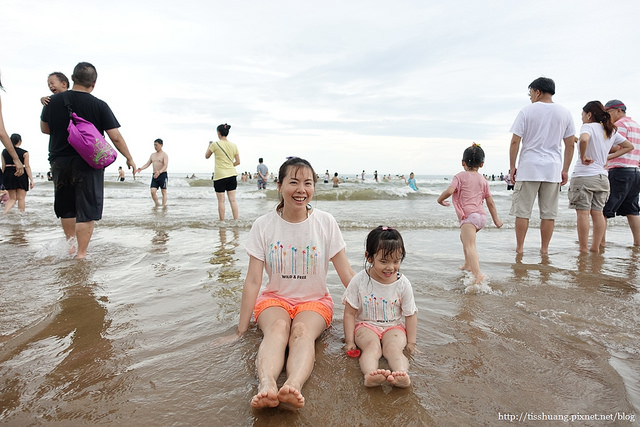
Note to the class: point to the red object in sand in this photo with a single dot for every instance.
(353, 353)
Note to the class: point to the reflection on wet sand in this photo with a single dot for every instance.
(66, 358)
(224, 256)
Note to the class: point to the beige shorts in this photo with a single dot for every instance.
(525, 193)
(588, 193)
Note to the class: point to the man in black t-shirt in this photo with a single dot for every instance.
(78, 187)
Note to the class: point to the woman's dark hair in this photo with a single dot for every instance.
(15, 138)
(223, 129)
(386, 240)
(600, 115)
(84, 74)
(544, 85)
(60, 77)
(473, 156)
(293, 163)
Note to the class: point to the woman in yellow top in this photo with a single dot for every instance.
(225, 175)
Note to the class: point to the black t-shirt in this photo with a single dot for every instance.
(84, 105)
(8, 160)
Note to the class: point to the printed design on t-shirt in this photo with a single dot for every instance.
(380, 309)
(293, 261)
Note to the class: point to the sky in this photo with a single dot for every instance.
(350, 85)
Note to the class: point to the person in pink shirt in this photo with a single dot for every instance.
(469, 190)
(624, 175)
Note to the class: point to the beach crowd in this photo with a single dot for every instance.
(294, 243)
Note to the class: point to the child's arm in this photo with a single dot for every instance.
(45, 100)
(445, 195)
(494, 212)
(349, 323)
(411, 324)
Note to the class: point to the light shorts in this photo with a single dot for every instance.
(588, 193)
(294, 310)
(524, 194)
(478, 220)
(379, 331)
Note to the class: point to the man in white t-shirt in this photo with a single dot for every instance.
(538, 133)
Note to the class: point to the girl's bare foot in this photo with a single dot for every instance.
(376, 378)
(265, 399)
(291, 396)
(399, 379)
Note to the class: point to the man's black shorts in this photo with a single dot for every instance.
(79, 189)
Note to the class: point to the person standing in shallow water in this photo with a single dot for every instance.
(225, 176)
(17, 186)
(293, 244)
(538, 133)
(79, 188)
(160, 161)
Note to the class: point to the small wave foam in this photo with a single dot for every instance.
(58, 249)
(477, 288)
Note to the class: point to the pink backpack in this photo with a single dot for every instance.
(88, 141)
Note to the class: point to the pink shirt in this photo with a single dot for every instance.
(631, 131)
(470, 190)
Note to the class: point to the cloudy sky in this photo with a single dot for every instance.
(350, 85)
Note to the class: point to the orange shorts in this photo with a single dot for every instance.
(294, 310)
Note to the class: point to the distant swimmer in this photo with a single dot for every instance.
(411, 182)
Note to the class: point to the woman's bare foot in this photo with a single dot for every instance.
(265, 399)
(399, 379)
(376, 378)
(465, 268)
(291, 396)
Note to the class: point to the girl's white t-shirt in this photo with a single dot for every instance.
(378, 304)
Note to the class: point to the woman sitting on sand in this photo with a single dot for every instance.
(293, 244)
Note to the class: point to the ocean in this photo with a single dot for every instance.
(125, 337)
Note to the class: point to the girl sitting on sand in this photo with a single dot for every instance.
(380, 314)
(469, 190)
(293, 244)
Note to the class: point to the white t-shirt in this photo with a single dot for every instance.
(378, 304)
(542, 127)
(296, 255)
(597, 149)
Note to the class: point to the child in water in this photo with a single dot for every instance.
(380, 314)
(57, 83)
(469, 190)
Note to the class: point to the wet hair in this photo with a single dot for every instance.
(159, 141)
(293, 165)
(544, 85)
(1, 85)
(386, 240)
(600, 115)
(16, 138)
(60, 76)
(84, 74)
(223, 129)
(473, 156)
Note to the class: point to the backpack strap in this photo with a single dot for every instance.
(67, 103)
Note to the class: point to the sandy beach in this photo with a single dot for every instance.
(125, 337)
